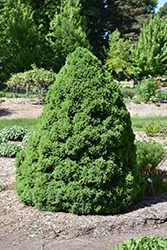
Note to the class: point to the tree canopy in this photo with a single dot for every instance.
(150, 54)
(118, 55)
(51, 29)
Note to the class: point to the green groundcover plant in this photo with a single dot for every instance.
(82, 158)
(10, 149)
(145, 243)
(14, 133)
(149, 155)
(151, 128)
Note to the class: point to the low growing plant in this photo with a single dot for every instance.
(151, 128)
(2, 139)
(14, 133)
(149, 155)
(148, 90)
(10, 149)
(128, 94)
(144, 243)
(27, 137)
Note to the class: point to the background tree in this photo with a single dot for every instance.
(67, 32)
(19, 39)
(163, 11)
(150, 54)
(104, 17)
(123, 14)
(118, 56)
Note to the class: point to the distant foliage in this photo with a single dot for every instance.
(148, 90)
(150, 53)
(19, 39)
(34, 80)
(67, 32)
(118, 55)
(82, 158)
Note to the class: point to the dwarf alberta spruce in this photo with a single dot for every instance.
(82, 158)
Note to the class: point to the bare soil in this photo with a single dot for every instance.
(11, 239)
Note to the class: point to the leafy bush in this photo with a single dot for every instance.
(151, 128)
(144, 243)
(14, 133)
(148, 90)
(27, 137)
(163, 95)
(10, 149)
(149, 155)
(34, 80)
(82, 158)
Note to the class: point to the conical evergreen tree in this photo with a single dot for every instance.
(82, 158)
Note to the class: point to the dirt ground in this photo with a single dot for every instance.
(18, 241)
(12, 241)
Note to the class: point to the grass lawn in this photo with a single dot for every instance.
(27, 123)
(138, 123)
(30, 123)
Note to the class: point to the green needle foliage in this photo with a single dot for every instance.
(82, 158)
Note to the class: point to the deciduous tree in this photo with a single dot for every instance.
(150, 54)
(118, 55)
(67, 32)
(19, 39)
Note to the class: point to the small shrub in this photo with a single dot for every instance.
(82, 158)
(10, 149)
(163, 96)
(159, 182)
(128, 94)
(27, 137)
(148, 90)
(149, 155)
(151, 128)
(144, 243)
(15, 133)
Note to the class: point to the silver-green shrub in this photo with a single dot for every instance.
(14, 133)
(10, 149)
